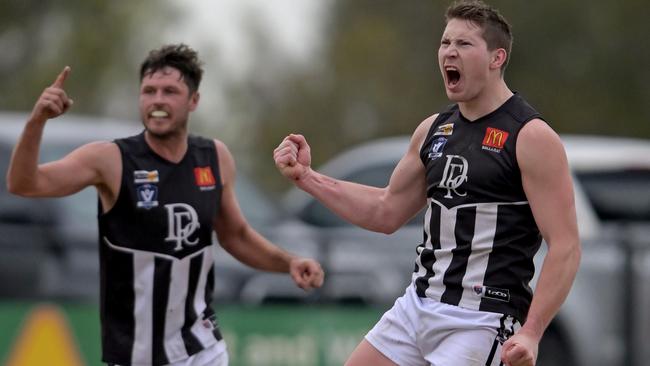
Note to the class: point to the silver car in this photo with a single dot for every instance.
(49, 246)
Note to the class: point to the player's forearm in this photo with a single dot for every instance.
(252, 249)
(358, 204)
(22, 173)
(556, 277)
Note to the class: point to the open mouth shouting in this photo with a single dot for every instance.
(452, 77)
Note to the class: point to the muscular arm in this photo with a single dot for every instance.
(85, 166)
(548, 186)
(92, 164)
(377, 209)
(239, 239)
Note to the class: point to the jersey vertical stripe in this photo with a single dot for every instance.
(453, 278)
(192, 343)
(420, 270)
(162, 283)
(164, 333)
(206, 335)
(456, 256)
(426, 250)
(447, 239)
(173, 320)
(113, 309)
(143, 267)
(477, 262)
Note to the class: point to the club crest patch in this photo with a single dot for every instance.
(444, 130)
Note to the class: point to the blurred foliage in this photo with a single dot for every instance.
(102, 41)
(581, 63)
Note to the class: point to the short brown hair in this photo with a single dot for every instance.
(180, 57)
(497, 31)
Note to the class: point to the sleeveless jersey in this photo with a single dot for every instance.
(480, 236)
(156, 255)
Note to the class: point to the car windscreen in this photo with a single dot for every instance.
(618, 195)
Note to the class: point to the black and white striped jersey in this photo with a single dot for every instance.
(156, 255)
(480, 236)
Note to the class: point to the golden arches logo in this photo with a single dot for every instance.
(204, 176)
(495, 138)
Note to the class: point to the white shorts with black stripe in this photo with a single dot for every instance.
(421, 332)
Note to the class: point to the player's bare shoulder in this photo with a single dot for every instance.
(105, 160)
(101, 154)
(226, 162)
(538, 145)
(420, 133)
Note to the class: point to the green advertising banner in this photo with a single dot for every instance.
(271, 335)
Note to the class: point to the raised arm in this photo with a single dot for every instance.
(239, 239)
(378, 209)
(549, 189)
(83, 167)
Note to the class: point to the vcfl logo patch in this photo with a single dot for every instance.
(182, 222)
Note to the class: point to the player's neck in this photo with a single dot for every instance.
(169, 147)
(487, 101)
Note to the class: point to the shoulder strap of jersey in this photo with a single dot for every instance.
(207, 146)
(442, 116)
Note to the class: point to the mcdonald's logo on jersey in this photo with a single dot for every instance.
(494, 139)
(204, 177)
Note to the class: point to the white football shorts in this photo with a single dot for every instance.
(421, 332)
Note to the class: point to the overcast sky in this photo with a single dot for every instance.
(295, 24)
(215, 29)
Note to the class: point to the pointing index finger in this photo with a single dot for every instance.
(58, 83)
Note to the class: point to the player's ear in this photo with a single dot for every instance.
(194, 100)
(499, 57)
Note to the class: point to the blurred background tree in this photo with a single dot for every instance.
(101, 40)
(373, 71)
(579, 62)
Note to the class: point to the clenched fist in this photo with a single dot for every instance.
(519, 350)
(293, 157)
(306, 273)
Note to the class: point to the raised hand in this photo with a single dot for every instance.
(293, 157)
(53, 102)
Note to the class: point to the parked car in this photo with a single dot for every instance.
(49, 246)
(615, 175)
(593, 327)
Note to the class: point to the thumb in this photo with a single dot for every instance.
(58, 83)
